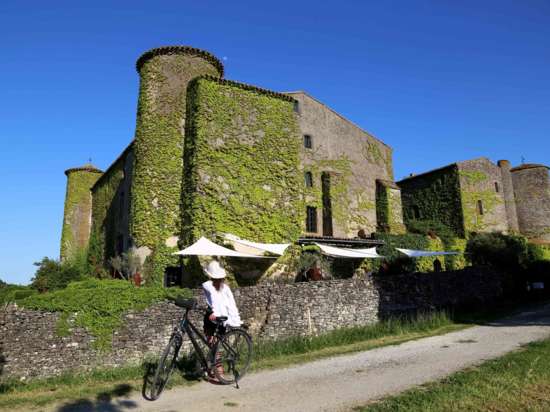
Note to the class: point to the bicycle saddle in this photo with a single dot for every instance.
(221, 319)
(185, 303)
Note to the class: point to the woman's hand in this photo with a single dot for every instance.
(212, 317)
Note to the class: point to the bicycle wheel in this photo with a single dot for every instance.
(232, 356)
(165, 366)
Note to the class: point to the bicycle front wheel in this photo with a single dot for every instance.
(165, 367)
(232, 356)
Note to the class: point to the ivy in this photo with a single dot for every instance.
(241, 165)
(102, 244)
(78, 202)
(158, 148)
(437, 196)
(97, 305)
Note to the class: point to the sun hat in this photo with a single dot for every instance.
(214, 270)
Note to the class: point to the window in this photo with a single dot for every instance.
(308, 143)
(416, 212)
(496, 187)
(296, 106)
(311, 219)
(479, 207)
(309, 179)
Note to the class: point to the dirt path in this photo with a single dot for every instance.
(339, 383)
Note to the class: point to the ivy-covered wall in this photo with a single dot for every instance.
(389, 213)
(78, 205)
(241, 164)
(353, 158)
(157, 181)
(481, 181)
(434, 196)
(110, 210)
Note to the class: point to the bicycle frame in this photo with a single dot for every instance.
(188, 327)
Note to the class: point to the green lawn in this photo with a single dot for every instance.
(519, 381)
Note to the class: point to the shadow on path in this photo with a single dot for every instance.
(104, 402)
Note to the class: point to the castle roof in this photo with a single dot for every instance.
(525, 166)
(167, 50)
(88, 167)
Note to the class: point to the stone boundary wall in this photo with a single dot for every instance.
(30, 347)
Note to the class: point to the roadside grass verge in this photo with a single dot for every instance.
(517, 381)
(106, 383)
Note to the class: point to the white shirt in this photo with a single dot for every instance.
(222, 303)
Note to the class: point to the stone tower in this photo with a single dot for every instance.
(508, 194)
(77, 217)
(532, 193)
(165, 73)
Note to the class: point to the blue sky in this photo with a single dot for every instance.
(439, 81)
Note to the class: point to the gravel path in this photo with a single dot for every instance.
(339, 383)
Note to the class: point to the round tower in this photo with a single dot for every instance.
(508, 194)
(532, 192)
(77, 217)
(165, 73)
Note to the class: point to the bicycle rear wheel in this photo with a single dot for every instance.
(232, 356)
(165, 366)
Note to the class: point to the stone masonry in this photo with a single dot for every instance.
(31, 348)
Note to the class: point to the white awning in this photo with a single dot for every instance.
(275, 248)
(424, 253)
(204, 247)
(370, 251)
(349, 253)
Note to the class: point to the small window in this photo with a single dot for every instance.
(309, 179)
(496, 187)
(311, 219)
(308, 143)
(296, 106)
(479, 207)
(416, 212)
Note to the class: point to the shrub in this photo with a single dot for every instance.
(11, 293)
(509, 253)
(98, 304)
(52, 275)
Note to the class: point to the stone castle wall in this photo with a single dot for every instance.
(30, 346)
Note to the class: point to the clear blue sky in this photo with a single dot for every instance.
(439, 81)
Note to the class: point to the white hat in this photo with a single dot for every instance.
(214, 270)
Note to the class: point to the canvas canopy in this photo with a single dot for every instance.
(275, 248)
(205, 247)
(424, 253)
(349, 253)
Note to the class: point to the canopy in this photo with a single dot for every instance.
(204, 247)
(349, 253)
(275, 248)
(369, 251)
(423, 253)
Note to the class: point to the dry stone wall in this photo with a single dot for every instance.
(31, 346)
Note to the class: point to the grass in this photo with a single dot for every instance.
(101, 384)
(517, 381)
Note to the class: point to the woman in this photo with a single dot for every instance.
(220, 300)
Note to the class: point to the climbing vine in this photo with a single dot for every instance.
(78, 202)
(105, 213)
(157, 180)
(241, 164)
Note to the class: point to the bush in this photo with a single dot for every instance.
(509, 253)
(53, 274)
(98, 304)
(11, 293)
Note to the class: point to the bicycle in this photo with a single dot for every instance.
(228, 357)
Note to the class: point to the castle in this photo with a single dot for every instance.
(214, 156)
